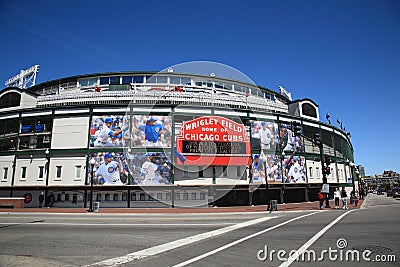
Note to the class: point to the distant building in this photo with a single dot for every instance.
(361, 169)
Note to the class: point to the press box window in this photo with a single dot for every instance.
(133, 196)
(115, 197)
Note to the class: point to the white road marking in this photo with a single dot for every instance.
(177, 243)
(241, 240)
(303, 248)
(119, 224)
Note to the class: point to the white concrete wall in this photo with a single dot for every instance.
(6, 162)
(70, 133)
(315, 176)
(68, 171)
(32, 172)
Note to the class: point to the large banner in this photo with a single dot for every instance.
(289, 169)
(266, 135)
(151, 168)
(213, 140)
(117, 131)
(287, 140)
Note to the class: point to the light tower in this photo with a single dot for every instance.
(25, 79)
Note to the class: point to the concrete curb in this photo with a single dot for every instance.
(364, 205)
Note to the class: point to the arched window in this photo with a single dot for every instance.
(11, 99)
(309, 110)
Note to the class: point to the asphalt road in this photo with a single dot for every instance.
(233, 239)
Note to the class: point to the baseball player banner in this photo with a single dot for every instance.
(266, 135)
(290, 169)
(287, 140)
(152, 168)
(130, 131)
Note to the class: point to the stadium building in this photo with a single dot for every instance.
(175, 139)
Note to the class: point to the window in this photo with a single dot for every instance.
(185, 171)
(115, 197)
(309, 110)
(58, 197)
(202, 196)
(138, 79)
(104, 80)
(133, 196)
(78, 171)
(66, 197)
(107, 197)
(238, 171)
(126, 79)
(10, 100)
(317, 170)
(168, 196)
(114, 80)
(201, 172)
(23, 172)
(58, 175)
(98, 197)
(185, 196)
(159, 196)
(124, 196)
(174, 80)
(87, 82)
(132, 79)
(5, 173)
(311, 171)
(41, 172)
(142, 197)
(177, 196)
(224, 171)
(193, 196)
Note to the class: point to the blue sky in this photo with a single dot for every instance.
(344, 54)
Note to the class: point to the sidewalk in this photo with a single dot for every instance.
(261, 208)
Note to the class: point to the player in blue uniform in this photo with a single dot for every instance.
(152, 131)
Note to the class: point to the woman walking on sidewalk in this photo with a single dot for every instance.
(343, 194)
(321, 199)
(337, 197)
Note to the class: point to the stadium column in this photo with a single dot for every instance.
(172, 170)
(47, 153)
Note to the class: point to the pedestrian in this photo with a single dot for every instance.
(343, 195)
(336, 194)
(321, 199)
(41, 199)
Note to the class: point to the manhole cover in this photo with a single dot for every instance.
(373, 249)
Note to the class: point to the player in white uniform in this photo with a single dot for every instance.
(296, 173)
(149, 171)
(103, 138)
(110, 170)
(265, 136)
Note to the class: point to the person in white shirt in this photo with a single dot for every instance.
(336, 195)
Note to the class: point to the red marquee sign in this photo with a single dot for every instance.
(214, 140)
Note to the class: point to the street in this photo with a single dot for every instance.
(224, 239)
